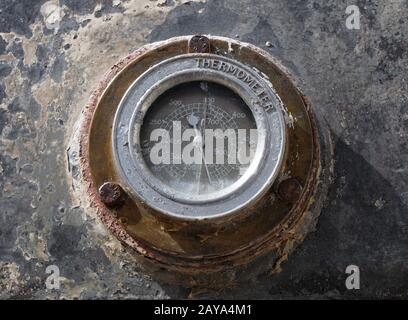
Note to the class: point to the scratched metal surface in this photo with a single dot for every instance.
(49, 64)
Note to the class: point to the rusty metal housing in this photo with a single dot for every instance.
(209, 250)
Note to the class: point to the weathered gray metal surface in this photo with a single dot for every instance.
(356, 80)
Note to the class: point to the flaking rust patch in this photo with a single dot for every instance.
(46, 92)
(33, 246)
(30, 45)
(10, 279)
(52, 14)
(13, 82)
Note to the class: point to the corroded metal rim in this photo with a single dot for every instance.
(188, 260)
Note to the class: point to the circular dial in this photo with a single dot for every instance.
(198, 138)
(162, 147)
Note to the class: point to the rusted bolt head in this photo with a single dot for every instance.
(199, 44)
(290, 190)
(112, 194)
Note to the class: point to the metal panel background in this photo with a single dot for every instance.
(53, 55)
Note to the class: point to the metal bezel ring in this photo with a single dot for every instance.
(145, 186)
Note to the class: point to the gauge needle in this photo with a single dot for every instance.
(193, 121)
(204, 120)
(202, 127)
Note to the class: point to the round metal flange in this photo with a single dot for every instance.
(259, 215)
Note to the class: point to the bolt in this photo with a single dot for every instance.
(199, 44)
(290, 190)
(112, 195)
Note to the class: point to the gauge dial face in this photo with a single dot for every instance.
(198, 138)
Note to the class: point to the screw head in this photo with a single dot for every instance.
(112, 195)
(290, 190)
(199, 44)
